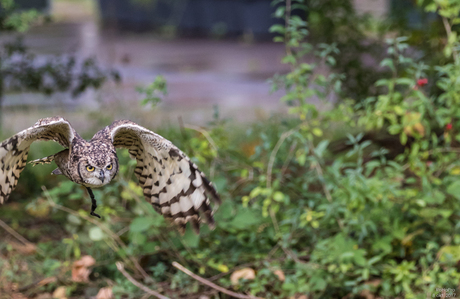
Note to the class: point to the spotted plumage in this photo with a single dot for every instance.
(173, 184)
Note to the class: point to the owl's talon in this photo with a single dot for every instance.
(94, 214)
(93, 203)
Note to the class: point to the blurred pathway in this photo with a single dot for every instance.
(201, 73)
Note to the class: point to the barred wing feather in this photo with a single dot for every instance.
(174, 185)
(14, 150)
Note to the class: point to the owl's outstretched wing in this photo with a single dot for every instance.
(171, 182)
(14, 151)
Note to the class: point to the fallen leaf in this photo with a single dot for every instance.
(105, 293)
(59, 293)
(280, 275)
(245, 273)
(80, 271)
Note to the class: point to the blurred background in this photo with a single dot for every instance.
(210, 61)
(215, 56)
(329, 128)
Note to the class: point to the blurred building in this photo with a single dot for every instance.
(191, 17)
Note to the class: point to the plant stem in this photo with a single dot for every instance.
(448, 28)
(121, 268)
(212, 285)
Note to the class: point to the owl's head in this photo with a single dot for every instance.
(98, 168)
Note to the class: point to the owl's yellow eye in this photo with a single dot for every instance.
(109, 167)
(90, 168)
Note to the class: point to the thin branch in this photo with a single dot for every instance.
(289, 157)
(275, 222)
(212, 285)
(122, 231)
(211, 142)
(287, 18)
(38, 283)
(448, 28)
(19, 237)
(204, 133)
(121, 268)
(328, 195)
(271, 161)
(292, 255)
(444, 150)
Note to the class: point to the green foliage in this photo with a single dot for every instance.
(361, 220)
(153, 92)
(13, 20)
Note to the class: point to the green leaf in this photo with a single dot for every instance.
(388, 62)
(277, 28)
(447, 253)
(244, 219)
(321, 147)
(289, 59)
(405, 81)
(138, 238)
(191, 239)
(454, 189)
(141, 224)
(278, 196)
(96, 234)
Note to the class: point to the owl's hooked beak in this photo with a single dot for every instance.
(101, 176)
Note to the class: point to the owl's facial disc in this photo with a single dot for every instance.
(98, 173)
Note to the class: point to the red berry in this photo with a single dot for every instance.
(421, 82)
(448, 127)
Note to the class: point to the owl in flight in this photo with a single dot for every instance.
(170, 181)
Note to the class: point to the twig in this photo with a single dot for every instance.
(121, 268)
(18, 236)
(205, 134)
(444, 150)
(289, 157)
(14, 233)
(448, 28)
(287, 18)
(292, 255)
(271, 161)
(211, 142)
(123, 230)
(328, 195)
(38, 283)
(212, 285)
(181, 126)
(275, 222)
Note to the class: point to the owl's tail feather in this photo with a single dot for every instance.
(46, 160)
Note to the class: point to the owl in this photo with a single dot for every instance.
(172, 183)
